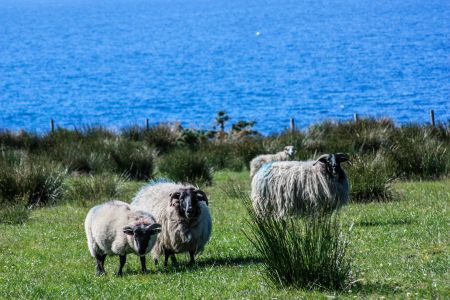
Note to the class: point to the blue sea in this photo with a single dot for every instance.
(117, 62)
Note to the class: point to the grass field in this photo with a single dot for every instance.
(400, 250)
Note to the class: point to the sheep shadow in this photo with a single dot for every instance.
(211, 263)
(370, 223)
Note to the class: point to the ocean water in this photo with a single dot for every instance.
(117, 62)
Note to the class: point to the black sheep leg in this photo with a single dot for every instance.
(191, 255)
(170, 254)
(143, 264)
(123, 259)
(100, 264)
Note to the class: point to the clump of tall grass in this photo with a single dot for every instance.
(221, 155)
(162, 136)
(371, 178)
(419, 153)
(309, 252)
(34, 181)
(366, 135)
(94, 188)
(186, 166)
(134, 159)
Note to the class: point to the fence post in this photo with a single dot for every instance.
(52, 125)
(355, 117)
(292, 123)
(432, 118)
(147, 126)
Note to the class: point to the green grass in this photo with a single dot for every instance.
(400, 248)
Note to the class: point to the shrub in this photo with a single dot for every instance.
(162, 137)
(94, 188)
(417, 153)
(185, 166)
(35, 181)
(309, 252)
(134, 159)
(370, 179)
(363, 136)
(221, 155)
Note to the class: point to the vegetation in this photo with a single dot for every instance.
(399, 248)
(308, 252)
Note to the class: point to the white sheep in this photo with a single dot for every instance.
(116, 228)
(256, 163)
(182, 210)
(294, 187)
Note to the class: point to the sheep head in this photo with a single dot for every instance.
(289, 150)
(332, 163)
(187, 201)
(142, 233)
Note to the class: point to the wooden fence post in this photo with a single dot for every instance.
(147, 126)
(52, 125)
(292, 123)
(355, 117)
(432, 118)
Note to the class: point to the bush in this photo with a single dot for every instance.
(98, 188)
(162, 137)
(35, 181)
(186, 166)
(310, 252)
(417, 153)
(134, 159)
(370, 179)
(363, 136)
(221, 155)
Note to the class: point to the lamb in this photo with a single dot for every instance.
(256, 163)
(183, 212)
(296, 187)
(116, 228)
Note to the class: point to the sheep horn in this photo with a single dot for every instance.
(201, 194)
(323, 158)
(154, 228)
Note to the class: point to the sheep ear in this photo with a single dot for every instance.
(342, 157)
(128, 230)
(176, 196)
(323, 159)
(154, 228)
(201, 196)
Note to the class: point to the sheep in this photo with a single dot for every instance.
(183, 212)
(295, 187)
(116, 228)
(257, 162)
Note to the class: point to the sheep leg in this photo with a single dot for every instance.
(166, 258)
(123, 259)
(143, 264)
(100, 264)
(174, 259)
(191, 254)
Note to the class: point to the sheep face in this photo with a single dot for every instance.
(187, 202)
(289, 150)
(332, 163)
(142, 234)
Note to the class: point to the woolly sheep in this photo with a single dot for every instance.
(293, 187)
(115, 228)
(256, 163)
(183, 212)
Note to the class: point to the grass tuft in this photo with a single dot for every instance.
(308, 252)
(186, 166)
